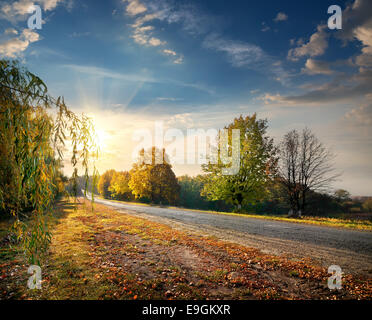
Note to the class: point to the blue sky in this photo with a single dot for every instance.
(201, 63)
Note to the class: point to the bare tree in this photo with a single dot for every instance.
(305, 165)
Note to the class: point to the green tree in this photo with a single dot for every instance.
(104, 183)
(154, 181)
(257, 166)
(190, 194)
(190, 191)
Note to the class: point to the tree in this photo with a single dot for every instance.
(105, 182)
(31, 153)
(342, 195)
(190, 194)
(153, 181)
(190, 191)
(257, 165)
(305, 165)
(119, 186)
(367, 205)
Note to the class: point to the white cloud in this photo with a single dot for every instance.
(11, 48)
(239, 53)
(281, 16)
(343, 88)
(179, 60)
(142, 34)
(317, 67)
(169, 52)
(49, 4)
(316, 46)
(362, 115)
(18, 9)
(142, 20)
(145, 12)
(11, 31)
(135, 7)
(357, 25)
(364, 35)
(155, 42)
(244, 54)
(30, 35)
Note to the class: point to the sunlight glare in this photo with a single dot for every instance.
(101, 139)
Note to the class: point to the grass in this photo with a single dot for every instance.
(321, 221)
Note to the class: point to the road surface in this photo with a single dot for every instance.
(351, 249)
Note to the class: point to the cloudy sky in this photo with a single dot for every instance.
(198, 64)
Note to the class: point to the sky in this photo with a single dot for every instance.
(198, 64)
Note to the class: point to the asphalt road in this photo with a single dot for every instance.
(351, 240)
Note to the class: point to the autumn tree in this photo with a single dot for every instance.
(119, 186)
(104, 183)
(257, 165)
(305, 165)
(153, 180)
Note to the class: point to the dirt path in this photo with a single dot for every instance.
(350, 249)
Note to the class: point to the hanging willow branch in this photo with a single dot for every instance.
(32, 153)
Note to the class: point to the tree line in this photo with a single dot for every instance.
(292, 177)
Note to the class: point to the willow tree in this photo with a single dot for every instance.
(33, 130)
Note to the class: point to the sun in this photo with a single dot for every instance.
(101, 139)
